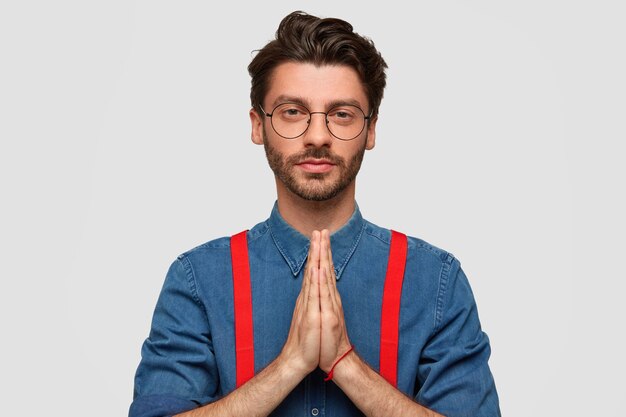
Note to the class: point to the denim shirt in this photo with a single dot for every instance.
(188, 359)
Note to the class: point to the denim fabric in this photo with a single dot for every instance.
(189, 359)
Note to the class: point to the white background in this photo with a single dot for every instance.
(125, 141)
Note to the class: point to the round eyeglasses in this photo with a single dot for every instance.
(291, 120)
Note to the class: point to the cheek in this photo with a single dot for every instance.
(286, 149)
(284, 146)
(352, 148)
(281, 148)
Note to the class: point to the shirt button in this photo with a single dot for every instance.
(315, 411)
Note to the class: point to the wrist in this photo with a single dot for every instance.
(329, 370)
(348, 368)
(293, 365)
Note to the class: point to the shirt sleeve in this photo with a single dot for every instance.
(453, 373)
(177, 371)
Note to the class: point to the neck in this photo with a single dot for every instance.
(306, 216)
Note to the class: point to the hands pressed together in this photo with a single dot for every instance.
(318, 335)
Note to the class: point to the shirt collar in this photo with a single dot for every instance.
(294, 246)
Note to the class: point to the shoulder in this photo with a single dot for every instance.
(433, 275)
(220, 246)
(417, 247)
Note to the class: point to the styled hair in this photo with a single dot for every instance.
(305, 38)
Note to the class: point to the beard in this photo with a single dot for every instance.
(312, 186)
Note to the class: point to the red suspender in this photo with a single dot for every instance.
(390, 316)
(244, 338)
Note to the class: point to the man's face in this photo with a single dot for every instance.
(316, 165)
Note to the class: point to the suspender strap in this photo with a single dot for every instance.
(390, 317)
(244, 338)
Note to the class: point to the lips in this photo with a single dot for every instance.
(316, 165)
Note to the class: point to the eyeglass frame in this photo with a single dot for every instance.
(270, 115)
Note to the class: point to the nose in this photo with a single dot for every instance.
(317, 134)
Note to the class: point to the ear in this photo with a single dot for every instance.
(371, 134)
(257, 126)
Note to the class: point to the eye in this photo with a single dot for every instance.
(291, 112)
(343, 115)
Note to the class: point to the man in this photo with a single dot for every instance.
(315, 311)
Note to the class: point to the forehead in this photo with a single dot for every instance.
(317, 86)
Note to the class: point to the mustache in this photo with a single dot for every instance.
(316, 153)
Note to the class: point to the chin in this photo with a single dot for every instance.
(324, 193)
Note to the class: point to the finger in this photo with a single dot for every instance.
(325, 258)
(309, 262)
(304, 293)
(332, 276)
(314, 261)
(326, 303)
(326, 249)
(314, 294)
(332, 279)
(326, 264)
(308, 272)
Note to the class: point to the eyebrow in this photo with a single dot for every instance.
(284, 98)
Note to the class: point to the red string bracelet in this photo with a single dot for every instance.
(330, 374)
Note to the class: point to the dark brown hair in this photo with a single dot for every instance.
(309, 39)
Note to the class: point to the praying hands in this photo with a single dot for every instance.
(318, 334)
